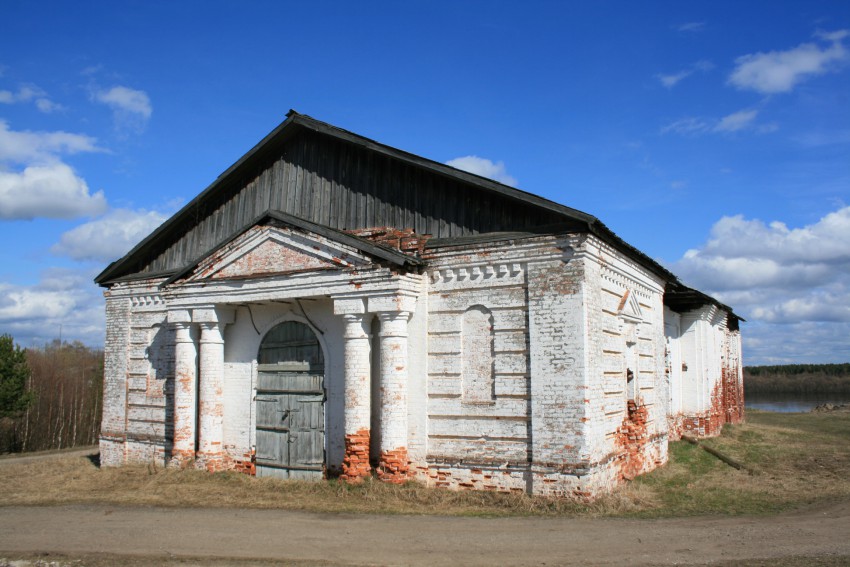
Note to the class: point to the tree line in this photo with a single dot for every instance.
(51, 397)
(798, 379)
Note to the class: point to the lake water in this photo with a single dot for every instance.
(791, 404)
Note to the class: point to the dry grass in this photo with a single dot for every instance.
(800, 458)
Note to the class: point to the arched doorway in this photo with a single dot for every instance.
(290, 403)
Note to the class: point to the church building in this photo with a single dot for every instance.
(334, 307)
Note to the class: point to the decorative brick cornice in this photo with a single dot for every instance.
(478, 272)
(147, 301)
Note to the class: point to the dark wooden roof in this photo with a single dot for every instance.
(315, 173)
(682, 299)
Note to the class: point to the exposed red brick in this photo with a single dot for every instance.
(394, 466)
(631, 438)
(402, 239)
(355, 463)
(247, 465)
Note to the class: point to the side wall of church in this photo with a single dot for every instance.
(542, 402)
(139, 359)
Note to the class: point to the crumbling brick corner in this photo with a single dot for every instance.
(632, 438)
(355, 463)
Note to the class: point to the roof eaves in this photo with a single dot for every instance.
(177, 217)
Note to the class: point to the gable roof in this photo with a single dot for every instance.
(295, 122)
(565, 218)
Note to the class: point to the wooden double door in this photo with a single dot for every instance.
(290, 404)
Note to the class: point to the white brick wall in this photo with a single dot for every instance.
(569, 316)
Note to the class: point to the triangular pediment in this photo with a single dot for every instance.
(267, 250)
(630, 307)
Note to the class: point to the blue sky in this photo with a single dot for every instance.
(714, 136)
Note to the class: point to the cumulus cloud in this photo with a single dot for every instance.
(780, 71)
(47, 191)
(63, 299)
(45, 187)
(30, 93)
(131, 108)
(109, 237)
(775, 273)
(24, 146)
(791, 284)
(484, 167)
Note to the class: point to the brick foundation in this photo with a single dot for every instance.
(355, 464)
(247, 465)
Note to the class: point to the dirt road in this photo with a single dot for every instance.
(165, 535)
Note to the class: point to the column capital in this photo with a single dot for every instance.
(211, 332)
(355, 326)
(394, 323)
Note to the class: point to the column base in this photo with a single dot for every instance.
(182, 459)
(394, 466)
(355, 464)
(211, 462)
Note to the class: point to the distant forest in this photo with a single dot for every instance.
(62, 399)
(798, 379)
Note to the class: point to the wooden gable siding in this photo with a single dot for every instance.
(342, 186)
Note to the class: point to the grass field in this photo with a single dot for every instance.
(797, 459)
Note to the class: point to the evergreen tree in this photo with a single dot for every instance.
(14, 373)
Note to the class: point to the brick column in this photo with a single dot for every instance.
(394, 465)
(210, 405)
(355, 463)
(185, 353)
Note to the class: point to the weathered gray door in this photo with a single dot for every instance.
(290, 404)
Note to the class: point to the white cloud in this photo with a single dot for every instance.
(791, 284)
(670, 81)
(24, 146)
(673, 79)
(27, 93)
(45, 187)
(47, 106)
(65, 300)
(109, 237)
(773, 273)
(780, 71)
(484, 167)
(736, 121)
(687, 126)
(47, 191)
(690, 27)
(131, 108)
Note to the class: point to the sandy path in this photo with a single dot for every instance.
(162, 533)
